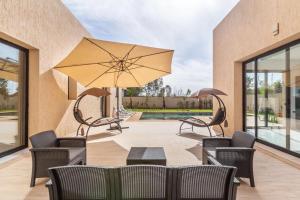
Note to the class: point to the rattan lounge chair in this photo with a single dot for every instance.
(218, 119)
(49, 151)
(89, 122)
(142, 182)
(237, 151)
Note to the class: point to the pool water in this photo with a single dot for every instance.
(175, 115)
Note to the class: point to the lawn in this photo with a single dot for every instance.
(171, 110)
(8, 110)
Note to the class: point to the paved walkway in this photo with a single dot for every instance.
(275, 180)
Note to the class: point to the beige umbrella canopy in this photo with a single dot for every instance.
(97, 92)
(206, 92)
(98, 63)
(9, 69)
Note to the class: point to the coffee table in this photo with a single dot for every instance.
(146, 156)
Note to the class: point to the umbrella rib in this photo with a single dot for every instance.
(131, 63)
(141, 66)
(3, 70)
(78, 65)
(99, 76)
(151, 54)
(112, 55)
(112, 67)
(134, 77)
(126, 68)
(118, 74)
(127, 54)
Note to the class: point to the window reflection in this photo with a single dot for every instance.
(12, 66)
(275, 96)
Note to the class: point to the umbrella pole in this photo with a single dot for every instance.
(118, 106)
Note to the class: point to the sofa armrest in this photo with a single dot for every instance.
(213, 161)
(216, 142)
(234, 149)
(234, 155)
(236, 182)
(72, 142)
(48, 154)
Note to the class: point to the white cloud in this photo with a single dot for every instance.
(183, 25)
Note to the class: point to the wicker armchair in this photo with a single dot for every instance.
(49, 151)
(237, 151)
(141, 182)
(205, 182)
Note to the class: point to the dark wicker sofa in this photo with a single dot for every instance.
(49, 151)
(142, 182)
(237, 151)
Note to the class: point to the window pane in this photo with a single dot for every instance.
(294, 124)
(271, 98)
(12, 114)
(250, 97)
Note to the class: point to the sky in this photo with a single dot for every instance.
(185, 26)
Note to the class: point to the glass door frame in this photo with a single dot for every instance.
(285, 47)
(24, 102)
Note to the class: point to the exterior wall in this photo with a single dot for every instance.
(49, 30)
(247, 31)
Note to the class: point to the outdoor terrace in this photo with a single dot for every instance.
(277, 175)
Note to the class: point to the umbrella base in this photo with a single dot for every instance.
(117, 128)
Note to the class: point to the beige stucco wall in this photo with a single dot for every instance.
(247, 31)
(49, 30)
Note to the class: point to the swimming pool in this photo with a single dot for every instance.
(172, 115)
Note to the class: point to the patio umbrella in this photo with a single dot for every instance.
(98, 63)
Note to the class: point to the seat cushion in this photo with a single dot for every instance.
(242, 139)
(44, 139)
(75, 153)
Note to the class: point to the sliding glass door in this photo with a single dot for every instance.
(13, 64)
(294, 102)
(272, 98)
(250, 82)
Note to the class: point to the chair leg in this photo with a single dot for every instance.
(78, 129)
(87, 132)
(119, 127)
(204, 158)
(222, 129)
(180, 127)
(209, 131)
(32, 182)
(252, 183)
